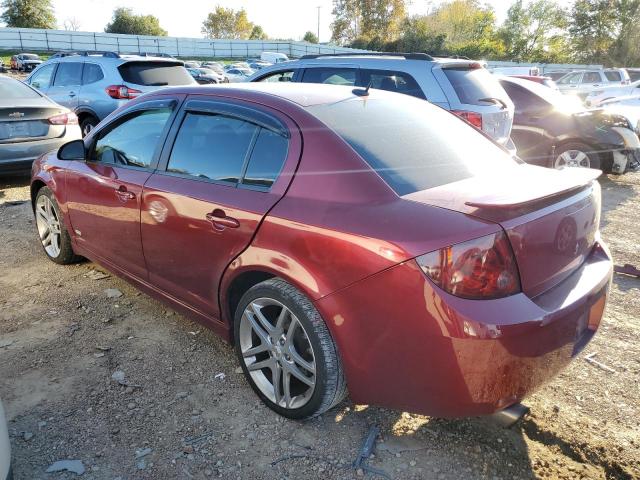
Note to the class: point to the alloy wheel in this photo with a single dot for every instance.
(277, 353)
(48, 226)
(573, 159)
(86, 129)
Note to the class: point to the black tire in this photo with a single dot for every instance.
(87, 124)
(330, 387)
(594, 157)
(66, 255)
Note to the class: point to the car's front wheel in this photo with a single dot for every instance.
(286, 351)
(574, 155)
(53, 235)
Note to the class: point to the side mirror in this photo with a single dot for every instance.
(72, 151)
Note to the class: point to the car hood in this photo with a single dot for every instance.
(603, 118)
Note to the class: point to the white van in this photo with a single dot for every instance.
(273, 57)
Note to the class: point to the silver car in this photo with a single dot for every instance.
(462, 86)
(30, 125)
(5, 448)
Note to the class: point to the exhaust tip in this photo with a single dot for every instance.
(510, 415)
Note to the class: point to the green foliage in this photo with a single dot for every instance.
(310, 37)
(367, 20)
(258, 33)
(593, 28)
(227, 23)
(28, 14)
(125, 21)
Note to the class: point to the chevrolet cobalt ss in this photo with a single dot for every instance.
(338, 237)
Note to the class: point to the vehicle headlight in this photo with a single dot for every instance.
(629, 137)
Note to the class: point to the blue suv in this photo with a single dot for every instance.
(95, 84)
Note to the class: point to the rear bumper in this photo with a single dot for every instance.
(408, 345)
(17, 157)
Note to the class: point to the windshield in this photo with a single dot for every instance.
(13, 89)
(412, 145)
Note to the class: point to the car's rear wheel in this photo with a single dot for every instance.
(575, 155)
(53, 235)
(286, 351)
(87, 124)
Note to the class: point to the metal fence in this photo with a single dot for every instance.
(26, 39)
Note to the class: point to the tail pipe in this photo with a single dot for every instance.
(510, 415)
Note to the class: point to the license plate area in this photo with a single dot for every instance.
(17, 130)
(589, 322)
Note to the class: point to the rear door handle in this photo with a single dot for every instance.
(220, 220)
(124, 194)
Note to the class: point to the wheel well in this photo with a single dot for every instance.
(83, 115)
(35, 188)
(239, 287)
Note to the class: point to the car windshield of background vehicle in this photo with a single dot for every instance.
(473, 83)
(12, 89)
(155, 74)
(411, 145)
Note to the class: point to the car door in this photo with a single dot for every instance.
(104, 192)
(570, 82)
(530, 120)
(228, 164)
(66, 84)
(590, 81)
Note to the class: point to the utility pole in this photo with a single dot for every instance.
(318, 7)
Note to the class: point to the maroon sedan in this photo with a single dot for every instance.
(338, 238)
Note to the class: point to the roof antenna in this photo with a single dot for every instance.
(363, 93)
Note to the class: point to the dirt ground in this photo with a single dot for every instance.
(62, 339)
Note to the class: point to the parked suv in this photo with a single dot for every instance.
(582, 82)
(25, 62)
(95, 84)
(462, 86)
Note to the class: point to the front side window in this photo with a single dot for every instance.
(41, 79)
(212, 147)
(278, 77)
(133, 142)
(68, 74)
(399, 82)
(92, 73)
(571, 79)
(332, 76)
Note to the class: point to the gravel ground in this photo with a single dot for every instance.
(173, 416)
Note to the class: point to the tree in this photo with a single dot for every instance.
(125, 21)
(535, 32)
(258, 33)
(379, 20)
(72, 24)
(227, 23)
(593, 28)
(28, 14)
(310, 37)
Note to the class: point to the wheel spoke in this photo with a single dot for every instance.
(47, 207)
(308, 366)
(252, 352)
(268, 363)
(286, 383)
(262, 335)
(296, 372)
(261, 318)
(46, 241)
(41, 213)
(291, 331)
(276, 376)
(281, 318)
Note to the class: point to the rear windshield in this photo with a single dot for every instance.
(472, 84)
(412, 144)
(14, 89)
(155, 74)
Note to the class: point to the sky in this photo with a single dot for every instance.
(183, 18)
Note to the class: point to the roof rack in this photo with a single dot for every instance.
(86, 53)
(407, 56)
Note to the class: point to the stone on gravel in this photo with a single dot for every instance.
(74, 466)
(113, 293)
(143, 452)
(27, 436)
(96, 275)
(119, 377)
(397, 445)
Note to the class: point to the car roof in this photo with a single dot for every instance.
(116, 60)
(298, 93)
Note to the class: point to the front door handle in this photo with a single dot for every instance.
(220, 221)
(123, 194)
(72, 94)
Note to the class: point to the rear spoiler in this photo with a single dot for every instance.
(562, 182)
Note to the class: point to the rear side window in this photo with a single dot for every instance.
(411, 148)
(332, 76)
(522, 99)
(68, 74)
(212, 147)
(278, 77)
(472, 84)
(613, 76)
(267, 157)
(391, 81)
(155, 74)
(92, 73)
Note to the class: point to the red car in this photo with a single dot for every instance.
(338, 237)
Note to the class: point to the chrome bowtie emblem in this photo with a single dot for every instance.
(16, 115)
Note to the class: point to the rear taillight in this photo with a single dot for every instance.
(473, 118)
(122, 92)
(482, 268)
(64, 119)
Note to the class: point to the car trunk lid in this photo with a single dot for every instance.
(551, 217)
(28, 122)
